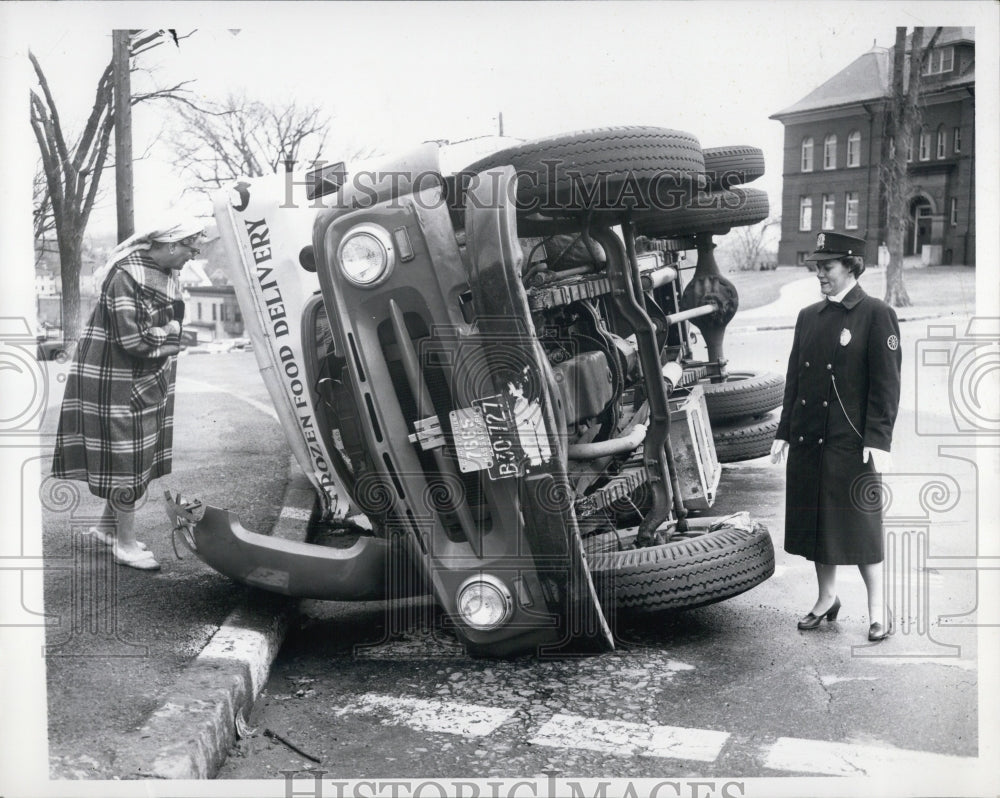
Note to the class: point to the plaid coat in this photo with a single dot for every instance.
(116, 425)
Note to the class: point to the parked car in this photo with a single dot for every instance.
(51, 346)
(488, 375)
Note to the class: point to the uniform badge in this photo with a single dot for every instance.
(892, 342)
(820, 241)
(845, 337)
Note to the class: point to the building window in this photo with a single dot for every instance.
(892, 148)
(805, 213)
(956, 135)
(800, 258)
(925, 145)
(828, 205)
(851, 210)
(942, 142)
(954, 212)
(807, 154)
(214, 312)
(199, 311)
(854, 149)
(909, 149)
(830, 152)
(939, 61)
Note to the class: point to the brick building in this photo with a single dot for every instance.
(834, 149)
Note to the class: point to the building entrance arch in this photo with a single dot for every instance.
(918, 225)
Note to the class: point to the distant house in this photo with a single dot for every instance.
(45, 283)
(193, 274)
(833, 154)
(213, 311)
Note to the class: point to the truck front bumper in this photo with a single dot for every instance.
(357, 572)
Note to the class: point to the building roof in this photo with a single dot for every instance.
(869, 76)
(865, 78)
(947, 36)
(211, 290)
(193, 274)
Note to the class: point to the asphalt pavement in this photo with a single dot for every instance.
(157, 681)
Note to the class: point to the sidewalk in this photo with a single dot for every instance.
(794, 296)
(147, 672)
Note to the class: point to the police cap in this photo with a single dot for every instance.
(830, 246)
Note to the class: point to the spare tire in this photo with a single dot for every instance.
(738, 442)
(605, 170)
(710, 212)
(744, 393)
(726, 167)
(686, 573)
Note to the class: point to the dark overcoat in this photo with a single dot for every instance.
(116, 423)
(841, 395)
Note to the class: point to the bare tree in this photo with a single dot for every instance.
(242, 137)
(747, 244)
(73, 171)
(902, 124)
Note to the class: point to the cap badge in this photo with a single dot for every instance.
(820, 241)
(845, 337)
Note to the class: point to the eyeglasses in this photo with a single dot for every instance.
(193, 249)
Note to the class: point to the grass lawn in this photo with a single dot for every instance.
(941, 285)
(759, 288)
(931, 285)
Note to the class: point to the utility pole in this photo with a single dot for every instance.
(121, 46)
(500, 116)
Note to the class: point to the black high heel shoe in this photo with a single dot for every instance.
(876, 633)
(811, 621)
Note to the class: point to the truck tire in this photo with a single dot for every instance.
(684, 574)
(606, 169)
(739, 442)
(744, 393)
(726, 167)
(713, 212)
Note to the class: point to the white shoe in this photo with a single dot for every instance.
(139, 558)
(109, 540)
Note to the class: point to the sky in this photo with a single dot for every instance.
(395, 74)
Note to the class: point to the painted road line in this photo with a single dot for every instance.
(846, 759)
(189, 385)
(296, 513)
(447, 717)
(620, 738)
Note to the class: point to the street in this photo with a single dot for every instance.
(362, 689)
(729, 689)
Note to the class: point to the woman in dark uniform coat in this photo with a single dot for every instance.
(840, 403)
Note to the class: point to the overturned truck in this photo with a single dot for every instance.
(486, 369)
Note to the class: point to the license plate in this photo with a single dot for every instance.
(486, 438)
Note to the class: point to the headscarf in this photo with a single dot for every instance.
(170, 231)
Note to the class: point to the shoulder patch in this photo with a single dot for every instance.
(892, 342)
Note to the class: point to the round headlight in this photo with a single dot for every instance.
(366, 254)
(484, 602)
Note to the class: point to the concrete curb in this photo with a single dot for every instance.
(189, 735)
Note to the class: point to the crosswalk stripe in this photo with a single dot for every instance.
(624, 739)
(448, 717)
(848, 759)
(630, 739)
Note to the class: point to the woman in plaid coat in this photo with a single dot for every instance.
(116, 424)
